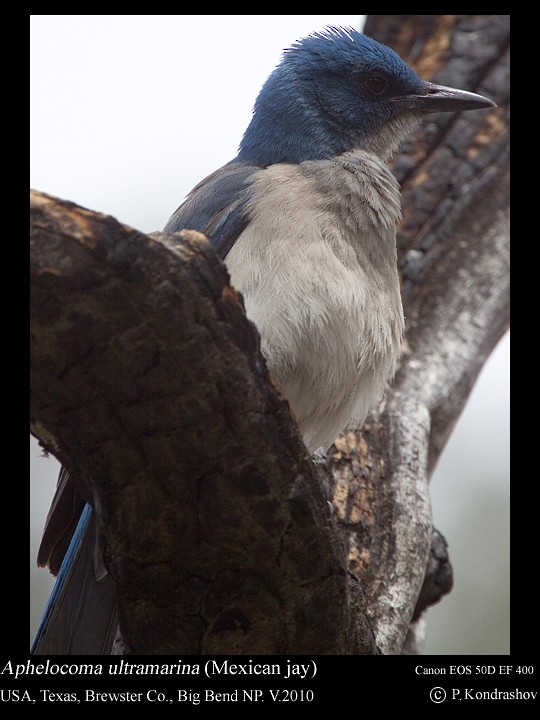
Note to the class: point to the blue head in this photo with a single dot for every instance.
(338, 90)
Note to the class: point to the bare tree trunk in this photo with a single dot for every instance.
(453, 250)
(148, 384)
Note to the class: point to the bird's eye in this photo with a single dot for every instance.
(376, 84)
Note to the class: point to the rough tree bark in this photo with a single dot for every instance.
(148, 384)
(454, 262)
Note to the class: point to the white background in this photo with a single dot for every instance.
(128, 113)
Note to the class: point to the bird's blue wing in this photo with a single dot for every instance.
(217, 206)
(80, 617)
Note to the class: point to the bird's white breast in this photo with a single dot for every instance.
(317, 268)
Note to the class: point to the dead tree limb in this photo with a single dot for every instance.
(453, 250)
(148, 384)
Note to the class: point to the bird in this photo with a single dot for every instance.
(304, 218)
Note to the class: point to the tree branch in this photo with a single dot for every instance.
(148, 384)
(453, 248)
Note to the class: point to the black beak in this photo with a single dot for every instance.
(438, 98)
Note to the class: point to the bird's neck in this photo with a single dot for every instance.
(387, 139)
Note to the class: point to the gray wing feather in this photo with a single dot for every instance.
(217, 206)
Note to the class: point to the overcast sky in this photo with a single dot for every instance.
(129, 112)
